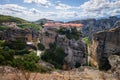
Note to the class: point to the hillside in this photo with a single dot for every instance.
(4, 18)
(10, 21)
(44, 20)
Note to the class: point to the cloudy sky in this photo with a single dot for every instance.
(62, 10)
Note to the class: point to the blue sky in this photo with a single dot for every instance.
(61, 10)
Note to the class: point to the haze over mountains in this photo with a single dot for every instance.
(89, 26)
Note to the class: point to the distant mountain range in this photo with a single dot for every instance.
(91, 26)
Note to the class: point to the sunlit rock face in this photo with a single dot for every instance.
(104, 44)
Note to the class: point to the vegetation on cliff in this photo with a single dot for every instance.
(16, 55)
(29, 25)
(54, 55)
(70, 33)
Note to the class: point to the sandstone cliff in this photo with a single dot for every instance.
(104, 44)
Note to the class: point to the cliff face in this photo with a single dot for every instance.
(47, 36)
(12, 33)
(104, 44)
(75, 49)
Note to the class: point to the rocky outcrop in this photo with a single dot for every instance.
(105, 44)
(47, 36)
(12, 33)
(75, 49)
(115, 64)
(10, 24)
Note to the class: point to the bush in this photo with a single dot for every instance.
(29, 25)
(3, 28)
(18, 44)
(6, 57)
(32, 57)
(87, 41)
(41, 46)
(54, 56)
(24, 65)
(70, 33)
(22, 52)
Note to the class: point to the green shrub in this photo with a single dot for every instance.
(18, 44)
(29, 25)
(32, 57)
(87, 41)
(3, 28)
(54, 56)
(41, 46)
(22, 52)
(70, 33)
(6, 57)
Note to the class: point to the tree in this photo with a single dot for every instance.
(41, 46)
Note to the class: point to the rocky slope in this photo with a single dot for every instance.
(105, 44)
(82, 73)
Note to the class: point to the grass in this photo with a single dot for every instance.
(29, 25)
(11, 19)
(3, 28)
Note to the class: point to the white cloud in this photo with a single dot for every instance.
(62, 6)
(19, 11)
(34, 14)
(99, 5)
(90, 9)
(100, 8)
(44, 3)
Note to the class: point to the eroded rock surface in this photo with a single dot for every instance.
(13, 33)
(75, 49)
(105, 44)
(115, 64)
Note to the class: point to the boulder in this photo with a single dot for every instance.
(115, 64)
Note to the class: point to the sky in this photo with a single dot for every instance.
(60, 10)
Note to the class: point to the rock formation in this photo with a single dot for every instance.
(115, 64)
(105, 44)
(75, 49)
(47, 36)
(13, 33)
